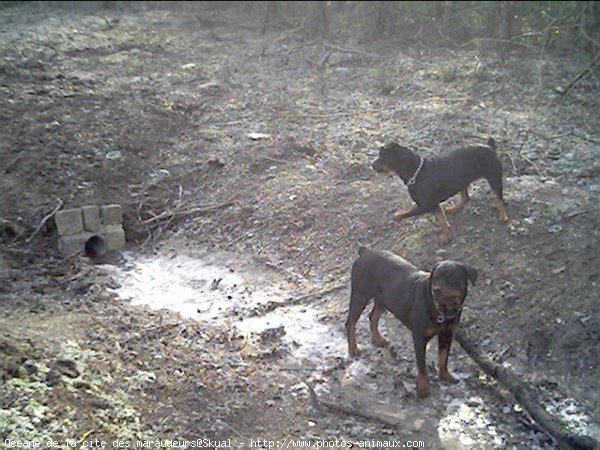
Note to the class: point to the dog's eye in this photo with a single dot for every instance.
(437, 291)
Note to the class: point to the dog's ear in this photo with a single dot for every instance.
(471, 273)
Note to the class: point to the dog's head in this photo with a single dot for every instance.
(448, 284)
(391, 157)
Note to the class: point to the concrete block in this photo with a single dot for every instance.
(114, 236)
(111, 214)
(91, 218)
(70, 245)
(69, 221)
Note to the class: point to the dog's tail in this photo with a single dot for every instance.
(361, 250)
(491, 144)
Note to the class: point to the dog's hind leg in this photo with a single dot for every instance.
(416, 211)
(464, 198)
(358, 303)
(374, 317)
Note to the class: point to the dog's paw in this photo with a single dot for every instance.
(422, 386)
(354, 352)
(447, 377)
(444, 239)
(398, 217)
(380, 342)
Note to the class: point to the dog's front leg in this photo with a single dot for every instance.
(443, 221)
(422, 378)
(444, 343)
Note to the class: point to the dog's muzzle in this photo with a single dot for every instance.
(442, 317)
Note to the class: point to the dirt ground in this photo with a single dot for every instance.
(259, 160)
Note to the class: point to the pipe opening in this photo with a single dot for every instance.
(95, 247)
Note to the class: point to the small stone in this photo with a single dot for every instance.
(418, 424)
(81, 385)
(67, 367)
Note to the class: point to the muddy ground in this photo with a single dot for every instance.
(154, 109)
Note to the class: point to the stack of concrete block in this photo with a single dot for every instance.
(80, 226)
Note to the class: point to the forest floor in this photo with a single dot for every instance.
(259, 157)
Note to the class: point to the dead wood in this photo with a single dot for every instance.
(523, 393)
(181, 212)
(337, 407)
(349, 50)
(573, 133)
(582, 74)
(13, 162)
(44, 220)
(271, 306)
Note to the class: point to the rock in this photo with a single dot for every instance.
(67, 367)
(81, 385)
(53, 378)
(13, 370)
(30, 368)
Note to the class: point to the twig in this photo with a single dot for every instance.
(179, 213)
(44, 220)
(13, 162)
(298, 47)
(575, 80)
(556, 136)
(578, 213)
(593, 41)
(271, 306)
(565, 134)
(586, 138)
(506, 41)
(349, 50)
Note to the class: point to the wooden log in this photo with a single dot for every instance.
(524, 394)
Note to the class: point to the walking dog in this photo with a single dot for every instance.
(428, 303)
(432, 181)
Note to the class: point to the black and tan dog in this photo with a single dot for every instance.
(428, 303)
(432, 181)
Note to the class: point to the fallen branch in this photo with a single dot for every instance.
(579, 213)
(349, 50)
(523, 394)
(335, 406)
(13, 162)
(44, 220)
(583, 73)
(506, 41)
(186, 212)
(565, 134)
(271, 306)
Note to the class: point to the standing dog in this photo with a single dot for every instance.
(428, 304)
(432, 181)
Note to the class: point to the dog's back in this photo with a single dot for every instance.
(376, 268)
(449, 174)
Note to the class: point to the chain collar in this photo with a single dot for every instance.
(413, 179)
